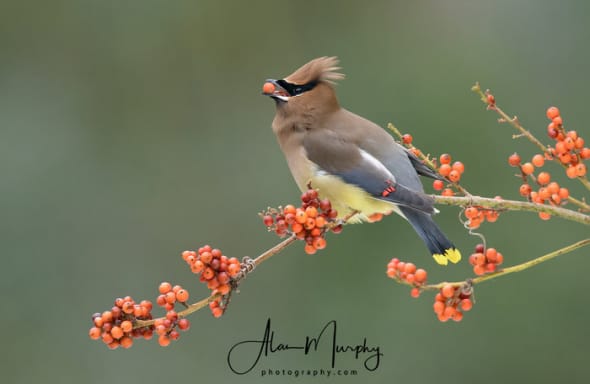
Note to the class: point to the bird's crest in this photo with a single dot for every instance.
(320, 69)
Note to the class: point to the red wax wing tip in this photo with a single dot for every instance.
(268, 88)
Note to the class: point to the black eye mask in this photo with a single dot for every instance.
(295, 89)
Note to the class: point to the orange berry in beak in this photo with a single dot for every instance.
(268, 88)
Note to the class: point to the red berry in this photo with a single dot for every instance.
(514, 159)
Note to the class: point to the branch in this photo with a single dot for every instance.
(515, 268)
(504, 117)
(513, 205)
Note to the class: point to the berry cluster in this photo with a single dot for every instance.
(217, 271)
(569, 151)
(408, 273)
(549, 192)
(569, 148)
(476, 215)
(485, 260)
(165, 327)
(308, 222)
(451, 301)
(115, 327)
(452, 172)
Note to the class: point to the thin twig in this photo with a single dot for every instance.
(515, 268)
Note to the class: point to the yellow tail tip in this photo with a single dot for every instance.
(452, 254)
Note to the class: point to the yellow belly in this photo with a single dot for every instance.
(347, 198)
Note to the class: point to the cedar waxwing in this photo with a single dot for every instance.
(348, 159)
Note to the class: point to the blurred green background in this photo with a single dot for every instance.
(133, 130)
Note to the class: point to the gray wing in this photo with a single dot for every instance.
(342, 157)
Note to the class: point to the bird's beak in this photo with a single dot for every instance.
(273, 89)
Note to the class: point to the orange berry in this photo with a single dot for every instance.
(444, 170)
(170, 297)
(415, 292)
(297, 228)
(206, 257)
(571, 172)
(581, 169)
(407, 139)
(448, 291)
(552, 112)
(492, 216)
(309, 224)
(410, 268)
(449, 312)
(499, 258)
(466, 304)
(438, 185)
(544, 194)
(113, 345)
(491, 254)
(107, 316)
(514, 159)
(268, 88)
(94, 333)
(126, 342)
(127, 326)
(184, 324)
(564, 193)
(391, 272)
(585, 153)
(479, 270)
(560, 147)
(527, 168)
(208, 273)
(525, 190)
(553, 187)
(438, 307)
(454, 176)
(544, 215)
(459, 167)
(319, 243)
(447, 192)
(289, 209)
(309, 249)
(311, 211)
(213, 283)
(420, 275)
(267, 220)
(558, 121)
(474, 223)
(445, 158)
(457, 316)
(182, 295)
(477, 259)
(569, 143)
(117, 332)
(164, 340)
(320, 221)
(217, 312)
(223, 289)
(471, 212)
(538, 160)
(579, 143)
(300, 216)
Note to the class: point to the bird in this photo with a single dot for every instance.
(348, 159)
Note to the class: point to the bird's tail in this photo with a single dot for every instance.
(440, 246)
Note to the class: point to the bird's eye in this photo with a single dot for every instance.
(297, 89)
